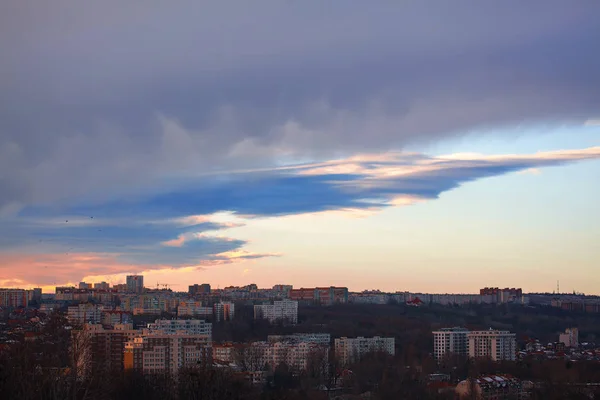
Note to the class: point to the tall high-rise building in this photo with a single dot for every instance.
(196, 289)
(135, 283)
(349, 350)
(497, 345)
(450, 341)
(282, 310)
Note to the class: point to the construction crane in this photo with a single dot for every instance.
(165, 286)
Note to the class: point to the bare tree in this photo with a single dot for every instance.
(250, 358)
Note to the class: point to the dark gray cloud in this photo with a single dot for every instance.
(110, 98)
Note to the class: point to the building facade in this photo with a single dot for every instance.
(570, 338)
(497, 345)
(349, 350)
(318, 338)
(450, 341)
(135, 283)
(101, 286)
(115, 317)
(193, 309)
(196, 289)
(179, 326)
(85, 313)
(280, 311)
(224, 311)
(322, 295)
(13, 298)
(161, 354)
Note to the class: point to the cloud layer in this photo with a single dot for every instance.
(113, 99)
(193, 224)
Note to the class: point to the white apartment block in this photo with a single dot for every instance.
(349, 350)
(282, 310)
(450, 341)
(180, 326)
(85, 313)
(570, 338)
(497, 345)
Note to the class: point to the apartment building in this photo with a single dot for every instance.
(223, 311)
(101, 286)
(102, 349)
(196, 289)
(497, 295)
(13, 298)
(497, 345)
(317, 338)
(281, 310)
(322, 295)
(193, 309)
(226, 352)
(450, 341)
(349, 350)
(85, 313)
(135, 283)
(296, 355)
(150, 303)
(116, 317)
(166, 353)
(180, 326)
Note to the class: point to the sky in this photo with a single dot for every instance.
(439, 147)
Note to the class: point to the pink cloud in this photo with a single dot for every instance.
(49, 270)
